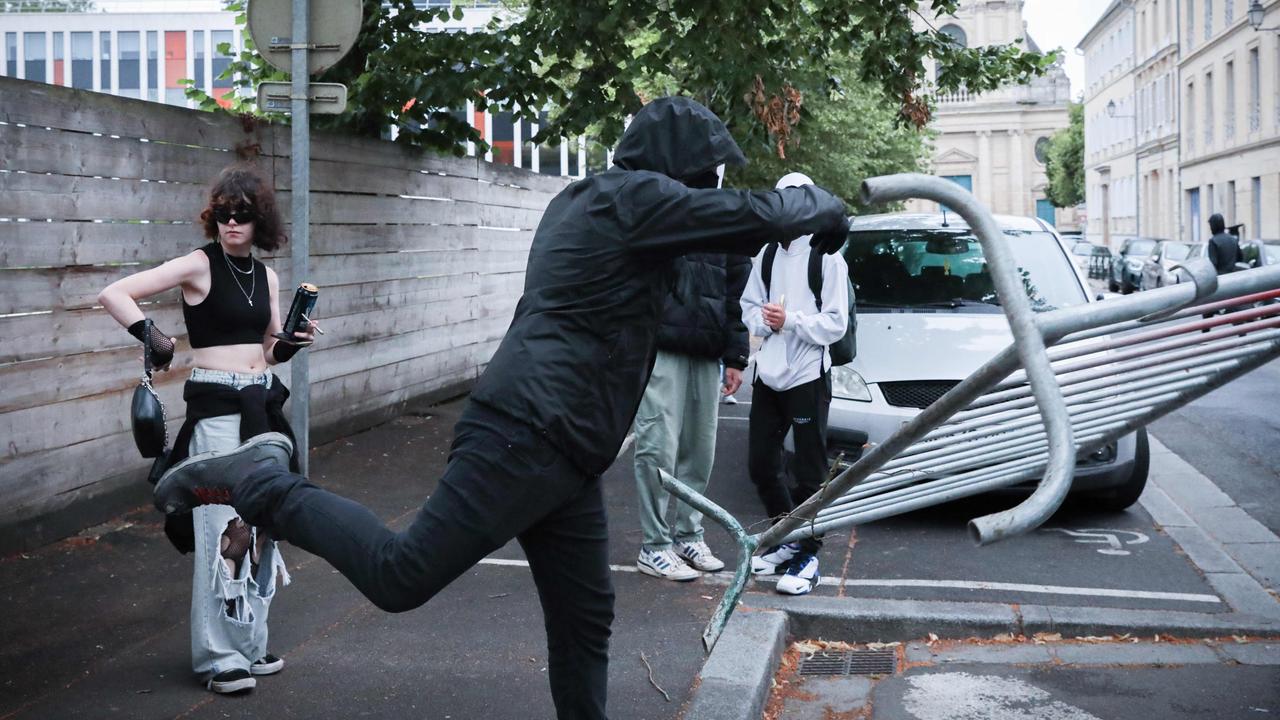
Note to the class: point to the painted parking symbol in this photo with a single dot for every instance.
(1115, 540)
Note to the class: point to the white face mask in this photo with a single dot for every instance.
(720, 176)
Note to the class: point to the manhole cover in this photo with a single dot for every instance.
(850, 662)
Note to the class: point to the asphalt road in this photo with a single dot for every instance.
(1232, 435)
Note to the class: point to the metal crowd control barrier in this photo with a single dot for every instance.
(1073, 380)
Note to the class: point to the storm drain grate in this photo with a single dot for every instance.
(850, 662)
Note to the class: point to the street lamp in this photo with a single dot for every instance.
(1257, 14)
(1137, 180)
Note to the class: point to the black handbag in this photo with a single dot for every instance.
(147, 412)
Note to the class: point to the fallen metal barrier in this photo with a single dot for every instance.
(1072, 380)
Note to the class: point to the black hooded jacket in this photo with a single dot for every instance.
(703, 314)
(578, 354)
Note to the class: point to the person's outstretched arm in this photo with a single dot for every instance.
(661, 217)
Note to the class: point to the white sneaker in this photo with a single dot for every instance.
(801, 577)
(665, 564)
(774, 560)
(699, 556)
(729, 400)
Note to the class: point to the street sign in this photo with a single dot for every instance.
(324, 98)
(332, 31)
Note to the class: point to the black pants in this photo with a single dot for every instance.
(803, 410)
(503, 480)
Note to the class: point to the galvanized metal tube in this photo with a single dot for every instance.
(746, 547)
(300, 202)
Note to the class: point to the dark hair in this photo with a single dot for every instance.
(243, 184)
(1216, 223)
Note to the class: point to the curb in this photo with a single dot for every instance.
(737, 677)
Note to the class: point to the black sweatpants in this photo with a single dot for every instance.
(803, 410)
(503, 480)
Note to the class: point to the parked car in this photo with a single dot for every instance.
(1126, 266)
(928, 316)
(1157, 268)
(1258, 253)
(1093, 260)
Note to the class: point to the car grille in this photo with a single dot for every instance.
(920, 394)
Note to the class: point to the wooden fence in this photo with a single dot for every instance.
(420, 260)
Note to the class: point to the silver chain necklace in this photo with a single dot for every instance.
(253, 277)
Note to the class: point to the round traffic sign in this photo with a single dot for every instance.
(333, 28)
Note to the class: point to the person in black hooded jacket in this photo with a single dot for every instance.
(550, 412)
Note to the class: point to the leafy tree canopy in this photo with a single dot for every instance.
(1064, 162)
(755, 64)
(46, 6)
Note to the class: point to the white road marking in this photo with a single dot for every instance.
(730, 417)
(1110, 538)
(961, 696)
(723, 578)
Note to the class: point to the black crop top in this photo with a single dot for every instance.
(226, 316)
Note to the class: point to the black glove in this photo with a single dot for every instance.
(284, 351)
(830, 241)
(160, 344)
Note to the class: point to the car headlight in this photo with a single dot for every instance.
(1134, 265)
(849, 385)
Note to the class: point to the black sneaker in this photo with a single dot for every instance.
(232, 681)
(207, 478)
(268, 665)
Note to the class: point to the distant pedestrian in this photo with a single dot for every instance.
(1224, 248)
(229, 308)
(792, 390)
(702, 350)
(555, 402)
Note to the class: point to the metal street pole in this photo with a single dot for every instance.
(301, 204)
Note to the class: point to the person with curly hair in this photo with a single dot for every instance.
(230, 310)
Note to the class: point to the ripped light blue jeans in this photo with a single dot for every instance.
(229, 607)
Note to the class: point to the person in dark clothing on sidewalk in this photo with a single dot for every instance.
(1223, 248)
(675, 426)
(555, 403)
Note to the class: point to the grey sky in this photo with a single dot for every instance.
(1061, 23)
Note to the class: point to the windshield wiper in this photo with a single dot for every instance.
(871, 303)
(955, 303)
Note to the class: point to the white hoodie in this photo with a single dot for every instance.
(797, 354)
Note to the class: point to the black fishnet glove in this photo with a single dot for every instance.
(160, 344)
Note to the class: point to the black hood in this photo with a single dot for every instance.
(677, 137)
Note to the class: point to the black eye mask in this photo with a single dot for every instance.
(704, 181)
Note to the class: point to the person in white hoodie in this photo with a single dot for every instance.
(792, 389)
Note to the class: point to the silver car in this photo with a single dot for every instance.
(928, 316)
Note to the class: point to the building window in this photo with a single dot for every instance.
(1042, 149)
(59, 62)
(1255, 189)
(1230, 120)
(11, 54)
(153, 70)
(82, 60)
(175, 66)
(197, 42)
(223, 53)
(33, 56)
(1231, 203)
(1208, 19)
(1255, 90)
(1191, 24)
(130, 57)
(1191, 117)
(104, 41)
(1208, 110)
(1228, 12)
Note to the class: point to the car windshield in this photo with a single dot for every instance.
(940, 269)
(1082, 249)
(1176, 251)
(1138, 247)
